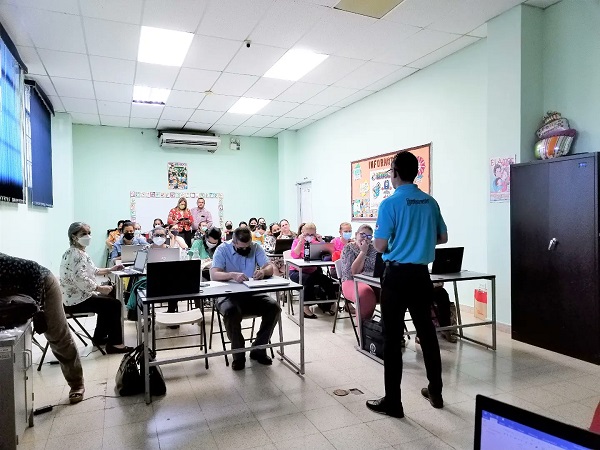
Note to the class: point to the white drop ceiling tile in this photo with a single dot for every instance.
(300, 92)
(331, 95)
(136, 122)
(12, 23)
(180, 15)
(114, 121)
(184, 99)
(302, 124)
(329, 3)
(85, 119)
(166, 124)
(143, 111)
(469, 14)
(112, 39)
(277, 108)
(154, 75)
(268, 88)
(31, 60)
(113, 92)
(56, 103)
(80, 105)
(331, 70)
(305, 110)
(245, 131)
(54, 30)
(222, 129)
(255, 60)
(195, 80)
(479, 31)
(129, 11)
(64, 64)
(232, 19)
(441, 53)
(259, 121)
(285, 122)
(420, 13)
(196, 126)
(114, 108)
(366, 75)
(353, 98)
(325, 112)
(416, 46)
(215, 102)
(112, 70)
(45, 83)
(232, 119)
(62, 6)
(66, 87)
(390, 79)
(171, 113)
(285, 23)
(211, 53)
(202, 116)
(268, 132)
(233, 84)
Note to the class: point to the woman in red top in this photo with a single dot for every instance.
(181, 217)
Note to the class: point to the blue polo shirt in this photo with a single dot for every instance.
(411, 221)
(227, 259)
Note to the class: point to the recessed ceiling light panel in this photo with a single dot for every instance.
(150, 96)
(164, 47)
(295, 64)
(246, 105)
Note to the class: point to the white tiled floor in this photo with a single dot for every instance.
(273, 408)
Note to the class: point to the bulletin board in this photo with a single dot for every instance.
(147, 206)
(371, 182)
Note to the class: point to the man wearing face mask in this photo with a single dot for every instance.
(201, 214)
(128, 238)
(228, 231)
(238, 261)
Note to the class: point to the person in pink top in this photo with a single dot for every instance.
(345, 237)
(313, 278)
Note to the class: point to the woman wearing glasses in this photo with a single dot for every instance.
(358, 257)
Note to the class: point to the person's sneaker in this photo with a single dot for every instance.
(436, 400)
(261, 358)
(238, 364)
(380, 406)
(449, 336)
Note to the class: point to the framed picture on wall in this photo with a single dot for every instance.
(177, 175)
(371, 182)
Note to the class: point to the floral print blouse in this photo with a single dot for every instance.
(77, 276)
(349, 255)
(175, 214)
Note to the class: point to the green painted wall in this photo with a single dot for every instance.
(110, 162)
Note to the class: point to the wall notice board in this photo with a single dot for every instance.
(371, 182)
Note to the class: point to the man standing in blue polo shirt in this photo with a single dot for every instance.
(238, 261)
(409, 226)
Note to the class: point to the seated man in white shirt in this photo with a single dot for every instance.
(237, 261)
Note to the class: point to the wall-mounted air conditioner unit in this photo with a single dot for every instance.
(209, 143)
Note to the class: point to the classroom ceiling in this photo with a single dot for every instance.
(84, 55)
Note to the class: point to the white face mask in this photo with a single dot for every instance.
(210, 244)
(137, 233)
(308, 239)
(159, 240)
(84, 241)
(257, 234)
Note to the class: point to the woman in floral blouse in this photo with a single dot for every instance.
(182, 217)
(83, 294)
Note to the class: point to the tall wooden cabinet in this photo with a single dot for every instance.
(554, 255)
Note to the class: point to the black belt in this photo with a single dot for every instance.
(398, 264)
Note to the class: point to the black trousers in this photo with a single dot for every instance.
(108, 321)
(187, 237)
(408, 286)
(310, 281)
(235, 308)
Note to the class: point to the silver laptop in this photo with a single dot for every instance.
(128, 253)
(139, 264)
(318, 250)
(163, 254)
(267, 282)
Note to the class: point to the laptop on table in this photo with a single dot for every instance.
(499, 426)
(317, 251)
(282, 245)
(139, 264)
(163, 254)
(173, 278)
(447, 260)
(128, 253)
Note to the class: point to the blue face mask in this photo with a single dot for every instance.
(347, 235)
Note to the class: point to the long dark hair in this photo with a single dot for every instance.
(214, 233)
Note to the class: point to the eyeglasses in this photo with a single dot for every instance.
(366, 236)
(159, 235)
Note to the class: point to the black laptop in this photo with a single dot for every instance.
(173, 278)
(447, 260)
(282, 245)
(502, 426)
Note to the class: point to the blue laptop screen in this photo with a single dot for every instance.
(499, 433)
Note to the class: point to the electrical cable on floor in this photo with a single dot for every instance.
(48, 408)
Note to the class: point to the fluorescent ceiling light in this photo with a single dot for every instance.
(164, 47)
(149, 95)
(246, 105)
(295, 64)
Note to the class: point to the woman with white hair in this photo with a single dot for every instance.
(82, 293)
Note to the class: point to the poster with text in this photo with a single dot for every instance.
(178, 175)
(500, 179)
(371, 181)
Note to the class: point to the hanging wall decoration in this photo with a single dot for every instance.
(500, 179)
(177, 175)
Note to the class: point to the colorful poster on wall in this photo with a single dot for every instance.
(178, 175)
(500, 179)
(371, 181)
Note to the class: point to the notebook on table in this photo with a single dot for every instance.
(128, 253)
(447, 260)
(139, 264)
(163, 254)
(266, 282)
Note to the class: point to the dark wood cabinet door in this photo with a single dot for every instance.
(533, 319)
(573, 262)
